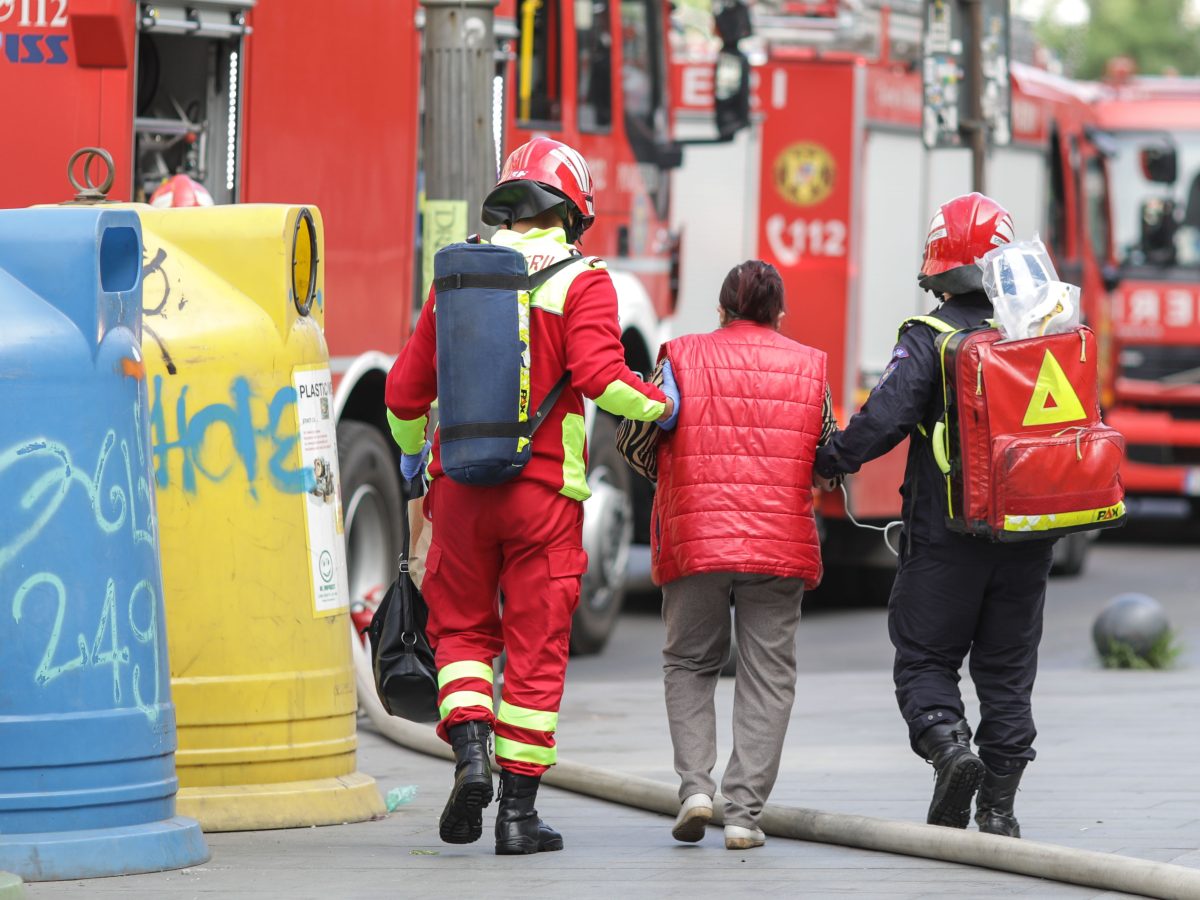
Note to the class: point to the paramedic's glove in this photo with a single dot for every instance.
(411, 464)
(672, 391)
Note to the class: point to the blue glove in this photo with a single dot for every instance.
(671, 390)
(411, 464)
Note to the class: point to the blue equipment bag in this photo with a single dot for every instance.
(483, 293)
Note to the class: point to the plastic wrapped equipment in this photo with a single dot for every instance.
(1025, 291)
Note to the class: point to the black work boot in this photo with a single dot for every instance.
(462, 819)
(518, 828)
(947, 746)
(994, 807)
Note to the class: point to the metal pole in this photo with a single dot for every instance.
(459, 64)
(976, 125)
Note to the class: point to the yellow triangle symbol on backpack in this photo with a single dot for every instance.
(1054, 400)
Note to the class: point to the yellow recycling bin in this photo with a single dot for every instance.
(254, 570)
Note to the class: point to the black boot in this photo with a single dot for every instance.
(959, 771)
(462, 819)
(994, 808)
(518, 828)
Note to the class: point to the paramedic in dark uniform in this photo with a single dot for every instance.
(954, 594)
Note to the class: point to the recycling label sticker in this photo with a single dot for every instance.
(317, 434)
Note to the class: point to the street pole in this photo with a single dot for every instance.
(976, 126)
(458, 150)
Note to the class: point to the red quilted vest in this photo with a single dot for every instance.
(735, 476)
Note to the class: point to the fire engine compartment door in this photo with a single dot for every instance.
(198, 18)
(190, 94)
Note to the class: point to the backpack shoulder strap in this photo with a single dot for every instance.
(457, 281)
(541, 276)
(932, 321)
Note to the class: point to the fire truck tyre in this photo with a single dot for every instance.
(607, 535)
(1070, 553)
(371, 499)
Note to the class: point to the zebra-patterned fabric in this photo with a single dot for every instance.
(638, 441)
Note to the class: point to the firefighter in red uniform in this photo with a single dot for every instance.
(523, 537)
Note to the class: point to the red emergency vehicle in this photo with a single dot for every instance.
(1149, 130)
(833, 185)
(319, 102)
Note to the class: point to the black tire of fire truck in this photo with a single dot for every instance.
(607, 536)
(1071, 553)
(371, 504)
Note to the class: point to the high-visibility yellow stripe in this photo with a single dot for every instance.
(574, 438)
(460, 699)
(519, 752)
(467, 668)
(409, 434)
(628, 402)
(527, 718)
(1064, 520)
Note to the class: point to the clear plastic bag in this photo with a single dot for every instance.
(1025, 291)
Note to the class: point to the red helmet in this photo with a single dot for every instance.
(540, 175)
(180, 190)
(962, 231)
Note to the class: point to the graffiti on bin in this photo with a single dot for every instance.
(48, 490)
(255, 437)
(108, 632)
(116, 499)
(153, 273)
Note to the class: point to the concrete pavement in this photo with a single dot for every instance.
(1117, 772)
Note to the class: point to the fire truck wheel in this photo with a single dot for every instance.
(607, 535)
(1070, 553)
(371, 504)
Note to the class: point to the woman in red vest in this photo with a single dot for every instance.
(733, 518)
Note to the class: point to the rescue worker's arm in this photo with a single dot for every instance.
(595, 357)
(891, 413)
(412, 385)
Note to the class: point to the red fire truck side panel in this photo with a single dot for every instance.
(806, 192)
(332, 120)
(67, 83)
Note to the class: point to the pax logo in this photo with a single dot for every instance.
(33, 49)
(1112, 512)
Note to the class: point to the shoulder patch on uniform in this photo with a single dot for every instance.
(899, 353)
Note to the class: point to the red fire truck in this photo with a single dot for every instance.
(319, 102)
(833, 185)
(1149, 129)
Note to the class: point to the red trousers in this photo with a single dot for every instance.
(524, 540)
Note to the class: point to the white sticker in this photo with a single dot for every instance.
(323, 501)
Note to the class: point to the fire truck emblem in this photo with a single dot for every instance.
(804, 174)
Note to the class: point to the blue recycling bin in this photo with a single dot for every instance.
(87, 728)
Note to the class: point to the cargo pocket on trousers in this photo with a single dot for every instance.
(567, 562)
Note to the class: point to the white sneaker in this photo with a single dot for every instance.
(739, 838)
(694, 815)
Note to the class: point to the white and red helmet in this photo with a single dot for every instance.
(179, 191)
(540, 175)
(962, 231)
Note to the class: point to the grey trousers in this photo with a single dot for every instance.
(696, 613)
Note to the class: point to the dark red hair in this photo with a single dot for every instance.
(753, 290)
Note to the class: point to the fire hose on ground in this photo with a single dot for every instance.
(1104, 871)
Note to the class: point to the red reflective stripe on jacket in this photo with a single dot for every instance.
(735, 476)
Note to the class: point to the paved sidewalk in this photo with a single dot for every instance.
(1109, 778)
(1118, 771)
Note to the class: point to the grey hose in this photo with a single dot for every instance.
(1105, 871)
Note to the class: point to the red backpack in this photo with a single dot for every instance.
(1021, 443)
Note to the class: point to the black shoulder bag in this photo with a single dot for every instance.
(405, 671)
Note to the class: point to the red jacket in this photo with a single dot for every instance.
(735, 476)
(573, 326)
